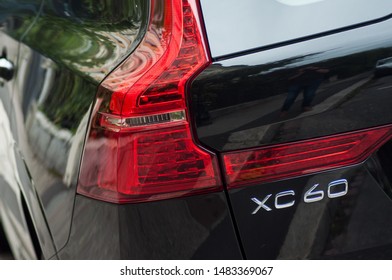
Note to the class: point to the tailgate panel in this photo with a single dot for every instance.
(330, 228)
(314, 87)
(238, 102)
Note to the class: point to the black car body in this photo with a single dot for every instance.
(185, 129)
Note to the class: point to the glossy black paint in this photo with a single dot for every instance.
(64, 53)
(198, 227)
(330, 228)
(70, 48)
(21, 212)
(238, 102)
(63, 49)
(300, 89)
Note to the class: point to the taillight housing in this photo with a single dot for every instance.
(288, 160)
(140, 146)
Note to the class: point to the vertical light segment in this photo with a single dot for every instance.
(141, 117)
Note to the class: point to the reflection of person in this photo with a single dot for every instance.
(307, 80)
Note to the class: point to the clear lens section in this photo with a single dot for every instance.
(156, 119)
(116, 123)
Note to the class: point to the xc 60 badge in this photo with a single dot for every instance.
(286, 199)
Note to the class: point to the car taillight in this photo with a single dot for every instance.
(300, 158)
(139, 146)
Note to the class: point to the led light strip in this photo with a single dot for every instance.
(289, 160)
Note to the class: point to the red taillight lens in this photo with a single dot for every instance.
(305, 157)
(140, 146)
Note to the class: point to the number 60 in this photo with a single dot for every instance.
(335, 189)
